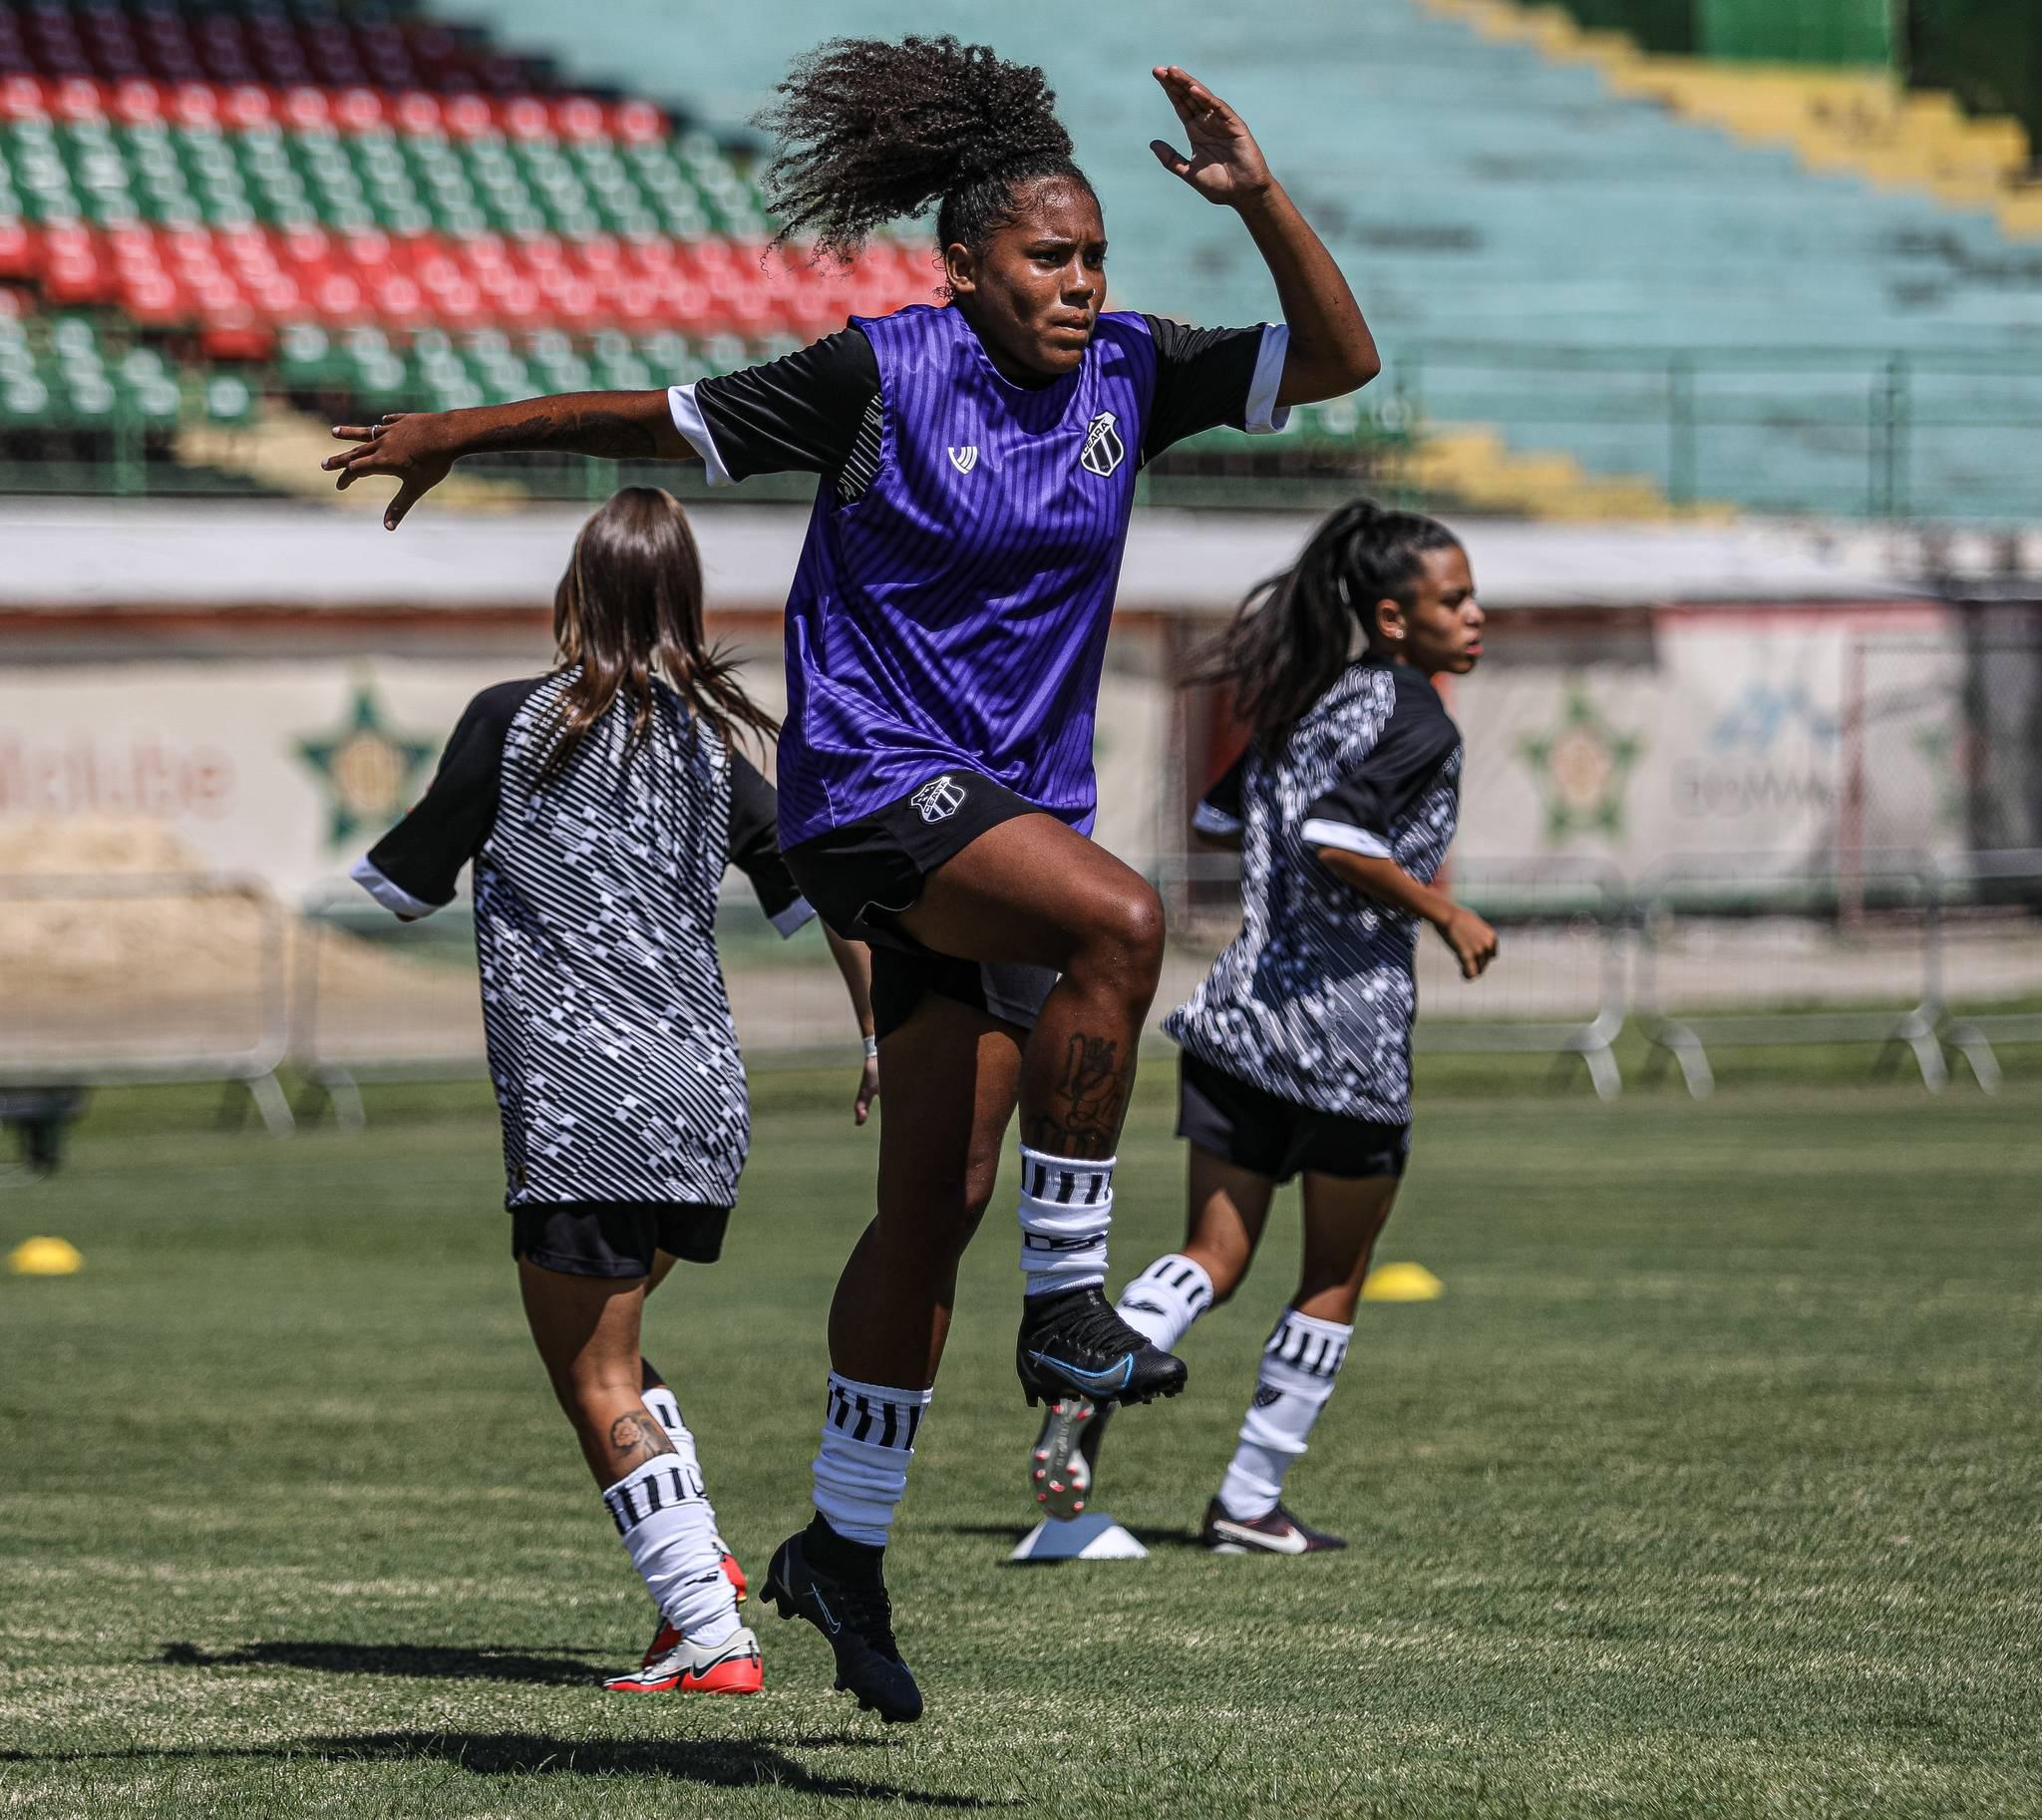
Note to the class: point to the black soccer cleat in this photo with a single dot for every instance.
(1073, 1344)
(1279, 1532)
(857, 1618)
(1065, 1457)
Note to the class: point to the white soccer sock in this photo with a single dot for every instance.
(666, 1410)
(1299, 1363)
(669, 1531)
(1066, 1213)
(1161, 1302)
(861, 1469)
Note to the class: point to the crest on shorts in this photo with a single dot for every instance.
(1104, 451)
(964, 459)
(939, 799)
(1266, 1395)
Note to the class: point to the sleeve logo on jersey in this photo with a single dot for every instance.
(939, 799)
(1104, 451)
(964, 459)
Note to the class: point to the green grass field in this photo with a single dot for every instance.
(1711, 1486)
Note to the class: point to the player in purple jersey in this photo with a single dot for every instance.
(944, 638)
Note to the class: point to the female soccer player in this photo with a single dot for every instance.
(1297, 1046)
(945, 638)
(600, 804)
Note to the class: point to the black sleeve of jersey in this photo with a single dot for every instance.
(1202, 380)
(799, 414)
(1416, 741)
(424, 853)
(755, 845)
(1220, 809)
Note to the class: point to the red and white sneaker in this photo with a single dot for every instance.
(1279, 1532)
(732, 1667)
(730, 1571)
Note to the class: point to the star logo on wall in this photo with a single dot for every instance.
(367, 770)
(1583, 766)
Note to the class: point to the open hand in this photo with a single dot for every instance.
(868, 1091)
(402, 445)
(1225, 164)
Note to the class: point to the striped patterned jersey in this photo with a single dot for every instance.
(949, 612)
(610, 1041)
(1314, 999)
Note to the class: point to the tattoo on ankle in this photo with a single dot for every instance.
(636, 1438)
(1083, 1118)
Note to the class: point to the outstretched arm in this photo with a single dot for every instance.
(1331, 349)
(418, 448)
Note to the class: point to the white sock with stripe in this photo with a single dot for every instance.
(666, 1407)
(1299, 1363)
(663, 1514)
(1161, 1302)
(861, 1470)
(1066, 1213)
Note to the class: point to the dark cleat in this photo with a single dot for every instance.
(1279, 1532)
(857, 1618)
(1074, 1344)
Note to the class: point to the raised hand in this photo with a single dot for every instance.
(1225, 164)
(402, 445)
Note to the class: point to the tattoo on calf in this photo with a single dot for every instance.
(636, 1438)
(1083, 1118)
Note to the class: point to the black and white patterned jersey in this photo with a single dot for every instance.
(1314, 1000)
(609, 1030)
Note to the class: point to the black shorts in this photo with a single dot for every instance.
(615, 1238)
(1254, 1128)
(861, 875)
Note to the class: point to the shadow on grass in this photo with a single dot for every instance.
(712, 1762)
(1011, 1532)
(427, 1662)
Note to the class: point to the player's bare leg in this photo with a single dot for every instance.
(588, 1332)
(951, 1074)
(1031, 891)
(1300, 1362)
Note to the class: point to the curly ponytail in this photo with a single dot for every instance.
(869, 132)
(1295, 632)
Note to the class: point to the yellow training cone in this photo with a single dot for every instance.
(44, 1257)
(1402, 1282)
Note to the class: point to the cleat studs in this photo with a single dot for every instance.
(1077, 1507)
(1042, 1497)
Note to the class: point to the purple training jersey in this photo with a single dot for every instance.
(954, 615)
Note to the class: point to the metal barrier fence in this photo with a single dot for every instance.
(1731, 954)
(113, 979)
(117, 980)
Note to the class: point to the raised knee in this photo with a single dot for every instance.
(1126, 929)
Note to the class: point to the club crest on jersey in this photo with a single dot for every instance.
(1104, 451)
(964, 459)
(939, 799)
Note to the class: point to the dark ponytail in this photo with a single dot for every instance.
(870, 132)
(1297, 631)
(629, 609)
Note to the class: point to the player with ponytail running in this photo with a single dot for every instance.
(1297, 1046)
(946, 634)
(599, 806)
